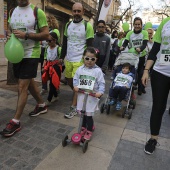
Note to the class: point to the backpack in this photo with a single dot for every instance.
(115, 47)
(85, 24)
(35, 11)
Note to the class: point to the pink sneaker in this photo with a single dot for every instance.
(83, 131)
(88, 135)
(93, 128)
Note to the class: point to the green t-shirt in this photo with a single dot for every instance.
(136, 40)
(77, 34)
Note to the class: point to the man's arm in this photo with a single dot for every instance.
(43, 35)
(64, 48)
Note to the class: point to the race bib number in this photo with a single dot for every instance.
(121, 80)
(86, 82)
(137, 43)
(165, 57)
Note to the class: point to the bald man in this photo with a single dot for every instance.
(78, 35)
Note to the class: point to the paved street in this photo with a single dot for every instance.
(117, 143)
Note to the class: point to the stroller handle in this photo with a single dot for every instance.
(88, 93)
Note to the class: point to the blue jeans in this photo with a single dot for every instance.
(118, 92)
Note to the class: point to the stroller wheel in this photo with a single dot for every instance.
(129, 113)
(64, 141)
(108, 109)
(102, 108)
(124, 112)
(85, 146)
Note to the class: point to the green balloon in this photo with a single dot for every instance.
(148, 25)
(125, 26)
(132, 50)
(14, 50)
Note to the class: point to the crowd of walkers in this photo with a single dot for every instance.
(83, 57)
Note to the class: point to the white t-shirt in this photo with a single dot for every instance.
(23, 19)
(162, 36)
(52, 54)
(77, 35)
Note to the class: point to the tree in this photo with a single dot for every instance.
(127, 13)
(164, 9)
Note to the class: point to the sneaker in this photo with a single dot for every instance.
(54, 99)
(112, 102)
(150, 146)
(38, 110)
(48, 103)
(11, 128)
(83, 131)
(43, 91)
(118, 105)
(71, 113)
(88, 135)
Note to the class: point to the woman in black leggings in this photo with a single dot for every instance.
(160, 80)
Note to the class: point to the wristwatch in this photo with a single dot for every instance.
(26, 35)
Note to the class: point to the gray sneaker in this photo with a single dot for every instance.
(43, 91)
(72, 112)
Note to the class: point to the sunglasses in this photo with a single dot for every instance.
(101, 26)
(89, 59)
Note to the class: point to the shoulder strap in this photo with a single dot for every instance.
(11, 11)
(68, 23)
(85, 24)
(36, 18)
(59, 51)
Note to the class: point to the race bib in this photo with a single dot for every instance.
(86, 82)
(121, 80)
(137, 43)
(165, 57)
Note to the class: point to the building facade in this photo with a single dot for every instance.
(62, 10)
(113, 13)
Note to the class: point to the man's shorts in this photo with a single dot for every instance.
(71, 67)
(26, 69)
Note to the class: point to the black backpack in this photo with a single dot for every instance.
(115, 47)
(85, 24)
(35, 11)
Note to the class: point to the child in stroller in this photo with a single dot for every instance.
(120, 86)
(115, 97)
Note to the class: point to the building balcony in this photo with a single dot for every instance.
(88, 8)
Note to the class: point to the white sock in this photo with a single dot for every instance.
(41, 105)
(16, 121)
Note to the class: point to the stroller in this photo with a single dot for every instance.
(133, 60)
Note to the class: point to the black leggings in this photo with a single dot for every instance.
(52, 90)
(160, 89)
(140, 73)
(88, 122)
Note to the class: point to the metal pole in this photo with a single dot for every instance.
(98, 13)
